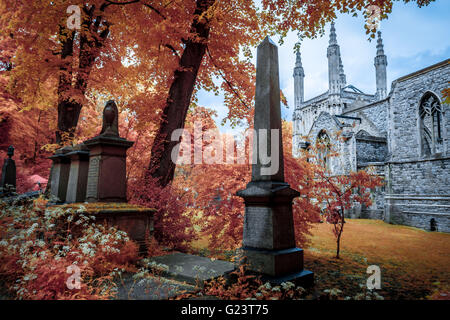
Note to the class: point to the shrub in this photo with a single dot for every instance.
(39, 244)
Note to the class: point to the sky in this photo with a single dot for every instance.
(413, 38)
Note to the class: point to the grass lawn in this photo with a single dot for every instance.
(414, 263)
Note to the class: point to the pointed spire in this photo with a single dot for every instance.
(380, 62)
(333, 39)
(334, 64)
(298, 70)
(342, 76)
(380, 47)
(298, 58)
(299, 75)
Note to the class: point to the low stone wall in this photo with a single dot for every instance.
(420, 176)
(419, 193)
(136, 221)
(356, 212)
(375, 214)
(419, 211)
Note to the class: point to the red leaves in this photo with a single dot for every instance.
(173, 228)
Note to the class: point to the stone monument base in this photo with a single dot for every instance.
(269, 237)
(278, 266)
(136, 221)
(304, 278)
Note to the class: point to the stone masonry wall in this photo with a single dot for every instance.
(403, 112)
(370, 151)
(377, 113)
(340, 164)
(418, 187)
(376, 210)
(419, 192)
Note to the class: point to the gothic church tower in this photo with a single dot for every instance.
(299, 76)
(336, 76)
(299, 95)
(380, 63)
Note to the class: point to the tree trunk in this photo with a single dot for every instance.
(174, 114)
(338, 240)
(68, 115)
(65, 84)
(68, 109)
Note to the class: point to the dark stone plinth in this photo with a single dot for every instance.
(304, 278)
(59, 174)
(275, 262)
(78, 173)
(8, 180)
(136, 221)
(107, 169)
(189, 268)
(268, 222)
(269, 237)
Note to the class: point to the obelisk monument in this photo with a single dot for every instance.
(269, 238)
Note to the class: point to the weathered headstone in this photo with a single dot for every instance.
(78, 173)
(59, 174)
(8, 182)
(95, 171)
(106, 180)
(269, 238)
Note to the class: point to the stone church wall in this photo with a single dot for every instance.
(376, 210)
(376, 112)
(417, 190)
(370, 150)
(403, 112)
(418, 186)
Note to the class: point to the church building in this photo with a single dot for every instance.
(402, 133)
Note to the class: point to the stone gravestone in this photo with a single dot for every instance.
(78, 174)
(59, 174)
(8, 182)
(106, 181)
(269, 238)
(95, 171)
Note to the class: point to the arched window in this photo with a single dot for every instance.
(430, 124)
(323, 145)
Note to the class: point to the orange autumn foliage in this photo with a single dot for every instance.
(131, 50)
(39, 243)
(219, 212)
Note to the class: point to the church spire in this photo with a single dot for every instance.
(298, 59)
(342, 77)
(333, 38)
(299, 93)
(380, 47)
(299, 75)
(334, 62)
(380, 63)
